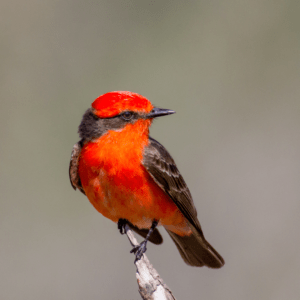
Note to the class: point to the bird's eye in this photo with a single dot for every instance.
(127, 115)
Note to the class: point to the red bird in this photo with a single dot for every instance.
(131, 178)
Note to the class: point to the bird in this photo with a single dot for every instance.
(130, 178)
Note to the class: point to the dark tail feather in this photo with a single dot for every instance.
(196, 251)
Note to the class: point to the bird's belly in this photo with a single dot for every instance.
(135, 198)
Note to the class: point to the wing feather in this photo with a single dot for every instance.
(73, 168)
(162, 168)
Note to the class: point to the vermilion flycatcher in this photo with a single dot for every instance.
(131, 178)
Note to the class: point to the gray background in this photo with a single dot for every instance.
(230, 69)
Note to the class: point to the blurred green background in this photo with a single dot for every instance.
(231, 71)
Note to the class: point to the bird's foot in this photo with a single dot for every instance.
(139, 250)
(121, 225)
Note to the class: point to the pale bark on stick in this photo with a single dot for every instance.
(151, 286)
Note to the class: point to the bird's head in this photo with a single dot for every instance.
(116, 110)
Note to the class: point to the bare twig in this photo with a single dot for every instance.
(151, 286)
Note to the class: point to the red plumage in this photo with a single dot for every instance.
(127, 175)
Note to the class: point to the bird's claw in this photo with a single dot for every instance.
(139, 250)
(121, 225)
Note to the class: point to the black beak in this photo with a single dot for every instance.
(159, 112)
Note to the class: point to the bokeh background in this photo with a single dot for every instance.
(231, 71)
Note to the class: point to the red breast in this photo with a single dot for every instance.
(118, 185)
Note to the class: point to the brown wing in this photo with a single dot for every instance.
(194, 249)
(73, 168)
(163, 170)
